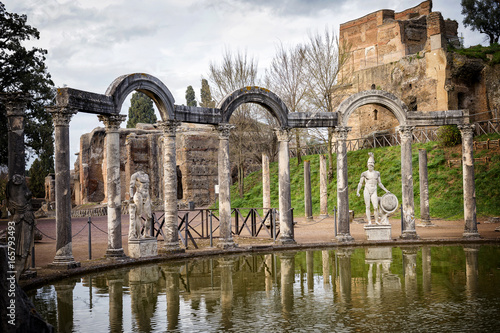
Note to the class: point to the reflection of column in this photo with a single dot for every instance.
(287, 280)
(112, 123)
(323, 187)
(425, 218)
(266, 182)
(171, 243)
(325, 256)
(410, 269)
(344, 259)
(310, 270)
(64, 250)
(285, 198)
(115, 287)
(471, 268)
(226, 238)
(143, 295)
(268, 268)
(226, 292)
(64, 293)
(467, 132)
(172, 275)
(343, 234)
(307, 191)
(406, 134)
(426, 269)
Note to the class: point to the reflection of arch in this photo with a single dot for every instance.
(379, 97)
(147, 84)
(257, 95)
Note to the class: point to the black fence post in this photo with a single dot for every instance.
(90, 238)
(335, 219)
(211, 239)
(402, 221)
(33, 256)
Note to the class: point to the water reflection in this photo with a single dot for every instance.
(344, 289)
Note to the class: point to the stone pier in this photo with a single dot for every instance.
(64, 250)
(285, 198)
(171, 243)
(467, 132)
(343, 233)
(226, 238)
(323, 187)
(113, 185)
(307, 191)
(266, 182)
(425, 218)
(409, 232)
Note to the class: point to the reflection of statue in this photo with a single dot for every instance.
(19, 205)
(372, 179)
(140, 204)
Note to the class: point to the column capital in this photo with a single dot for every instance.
(225, 130)
(466, 129)
(169, 126)
(15, 103)
(406, 132)
(283, 134)
(341, 132)
(112, 122)
(61, 116)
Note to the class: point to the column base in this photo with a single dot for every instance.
(64, 262)
(171, 248)
(286, 241)
(115, 254)
(226, 244)
(323, 216)
(409, 235)
(471, 235)
(309, 219)
(345, 238)
(425, 223)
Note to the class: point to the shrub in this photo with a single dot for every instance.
(449, 135)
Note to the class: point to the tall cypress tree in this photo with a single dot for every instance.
(190, 96)
(206, 95)
(141, 110)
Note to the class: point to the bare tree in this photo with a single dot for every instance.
(287, 77)
(324, 58)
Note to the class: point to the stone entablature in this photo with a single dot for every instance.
(142, 149)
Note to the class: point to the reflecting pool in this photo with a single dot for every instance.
(386, 289)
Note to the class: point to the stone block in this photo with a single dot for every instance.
(141, 248)
(378, 232)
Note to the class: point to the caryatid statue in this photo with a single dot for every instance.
(372, 179)
(140, 204)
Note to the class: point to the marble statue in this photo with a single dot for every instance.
(140, 204)
(19, 205)
(372, 179)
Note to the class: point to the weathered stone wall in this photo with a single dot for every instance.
(142, 149)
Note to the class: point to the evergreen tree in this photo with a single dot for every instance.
(141, 110)
(483, 16)
(37, 179)
(206, 95)
(190, 96)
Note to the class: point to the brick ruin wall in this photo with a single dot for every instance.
(142, 149)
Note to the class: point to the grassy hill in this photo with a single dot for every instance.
(445, 183)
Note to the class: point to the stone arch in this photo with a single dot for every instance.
(378, 97)
(147, 84)
(261, 96)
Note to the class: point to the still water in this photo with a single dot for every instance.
(384, 289)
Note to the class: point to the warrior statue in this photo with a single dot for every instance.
(19, 205)
(372, 179)
(140, 204)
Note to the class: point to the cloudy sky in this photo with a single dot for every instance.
(92, 42)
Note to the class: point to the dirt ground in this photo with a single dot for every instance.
(307, 233)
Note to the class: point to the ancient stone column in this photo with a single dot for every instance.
(467, 132)
(307, 191)
(323, 187)
(226, 238)
(113, 185)
(171, 243)
(64, 251)
(425, 218)
(285, 198)
(409, 232)
(266, 182)
(343, 233)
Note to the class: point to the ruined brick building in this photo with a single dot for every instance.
(406, 53)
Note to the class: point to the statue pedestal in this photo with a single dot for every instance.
(376, 232)
(140, 248)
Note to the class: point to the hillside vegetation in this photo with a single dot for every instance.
(445, 183)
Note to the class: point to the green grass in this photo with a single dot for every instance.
(481, 52)
(445, 184)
